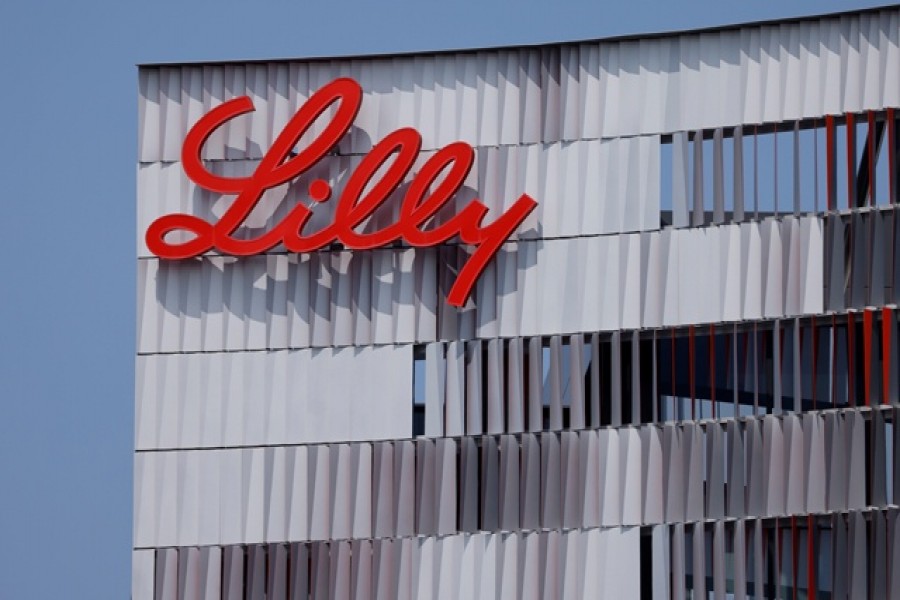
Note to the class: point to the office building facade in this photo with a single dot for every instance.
(677, 377)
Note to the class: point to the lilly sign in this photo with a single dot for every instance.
(439, 179)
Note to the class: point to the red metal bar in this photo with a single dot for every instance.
(778, 555)
(755, 368)
(781, 333)
(798, 402)
(886, 321)
(851, 347)
(794, 554)
(765, 556)
(833, 356)
(691, 370)
(867, 354)
(815, 358)
(887, 552)
(729, 362)
(810, 560)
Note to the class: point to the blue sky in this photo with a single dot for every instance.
(68, 89)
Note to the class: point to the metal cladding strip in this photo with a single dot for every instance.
(749, 373)
(860, 267)
(436, 371)
(143, 570)
(256, 398)
(766, 269)
(168, 414)
(166, 573)
(547, 564)
(607, 477)
(661, 552)
(588, 187)
(540, 564)
(702, 192)
(753, 74)
(858, 543)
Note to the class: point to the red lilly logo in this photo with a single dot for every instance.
(392, 157)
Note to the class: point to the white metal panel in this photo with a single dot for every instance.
(621, 546)
(275, 514)
(142, 574)
(631, 460)
(297, 493)
(283, 397)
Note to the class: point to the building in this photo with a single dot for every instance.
(678, 376)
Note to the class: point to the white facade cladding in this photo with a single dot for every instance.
(678, 377)
(214, 399)
(566, 92)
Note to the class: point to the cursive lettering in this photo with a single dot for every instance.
(439, 179)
